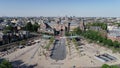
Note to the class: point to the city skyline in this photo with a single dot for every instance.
(84, 8)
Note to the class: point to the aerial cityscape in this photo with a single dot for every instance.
(59, 34)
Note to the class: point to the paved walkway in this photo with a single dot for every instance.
(59, 50)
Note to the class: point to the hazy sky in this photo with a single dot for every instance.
(104, 8)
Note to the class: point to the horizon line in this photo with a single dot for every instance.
(60, 16)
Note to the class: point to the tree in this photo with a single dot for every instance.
(6, 31)
(100, 24)
(77, 31)
(96, 36)
(114, 66)
(105, 66)
(118, 24)
(29, 26)
(35, 27)
(5, 64)
(32, 28)
(109, 42)
(9, 27)
(116, 44)
(100, 39)
(105, 41)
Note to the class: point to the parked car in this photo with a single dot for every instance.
(21, 46)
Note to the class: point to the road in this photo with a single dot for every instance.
(59, 50)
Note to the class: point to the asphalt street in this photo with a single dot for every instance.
(59, 50)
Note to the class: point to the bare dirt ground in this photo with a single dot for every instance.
(36, 56)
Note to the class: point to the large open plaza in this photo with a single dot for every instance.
(36, 56)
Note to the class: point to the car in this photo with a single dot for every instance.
(21, 46)
(38, 41)
(28, 44)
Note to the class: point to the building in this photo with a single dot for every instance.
(114, 33)
(95, 28)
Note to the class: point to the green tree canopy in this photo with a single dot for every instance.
(28, 26)
(9, 27)
(32, 27)
(5, 64)
(96, 36)
(100, 24)
(35, 27)
(105, 66)
(108, 66)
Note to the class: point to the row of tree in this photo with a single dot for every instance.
(9, 28)
(99, 24)
(76, 31)
(108, 66)
(29, 27)
(96, 36)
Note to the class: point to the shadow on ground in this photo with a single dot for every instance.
(19, 64)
